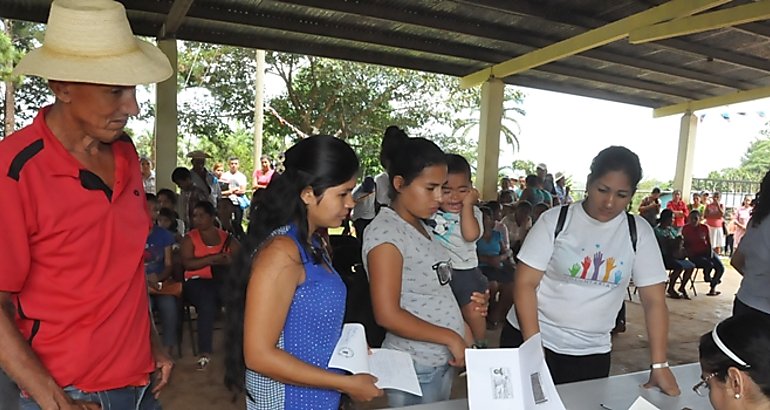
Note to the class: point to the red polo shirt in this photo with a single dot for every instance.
(71, 253)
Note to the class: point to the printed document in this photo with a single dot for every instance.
(505, 379)
(393, 369)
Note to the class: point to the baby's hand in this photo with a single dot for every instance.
(472, 198)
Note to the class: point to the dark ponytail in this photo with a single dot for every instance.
(318, 162)
(762, 202)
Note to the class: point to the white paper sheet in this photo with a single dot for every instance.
(393, 369)
(504, 379)
(642, 404)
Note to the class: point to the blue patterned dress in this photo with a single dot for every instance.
(312, 328)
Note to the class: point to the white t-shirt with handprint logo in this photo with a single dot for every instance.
(587, 270)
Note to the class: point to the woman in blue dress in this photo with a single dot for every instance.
(285, 301)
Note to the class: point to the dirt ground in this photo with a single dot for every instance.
(689, 319)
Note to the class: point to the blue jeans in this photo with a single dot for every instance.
(126, 398)
(168, 308)
(435, 382)
(709, 263)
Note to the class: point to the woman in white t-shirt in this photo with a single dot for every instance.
(752, 259)
(569, 287)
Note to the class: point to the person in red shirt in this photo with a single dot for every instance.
(679, 208)
(75, 329)
(700, 252)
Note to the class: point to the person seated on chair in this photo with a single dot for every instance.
(158, 268)
(735, 372)
(674, 255)
(701, 252)
(205, 249)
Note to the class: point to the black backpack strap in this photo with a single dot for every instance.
(632, 229)
(560, 221)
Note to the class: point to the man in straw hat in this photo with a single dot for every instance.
(202, 177)
(75, 328)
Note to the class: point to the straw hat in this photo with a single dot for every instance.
(198, 154)
(558, 176)
(90, 41)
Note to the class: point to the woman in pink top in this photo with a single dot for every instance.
(262, 176)
(714, 215)
(741, 221)
(680, 210)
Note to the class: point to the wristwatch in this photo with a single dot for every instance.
(659, 365)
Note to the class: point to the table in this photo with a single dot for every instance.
(616, 392)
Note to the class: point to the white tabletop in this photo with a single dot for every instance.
(616, 393)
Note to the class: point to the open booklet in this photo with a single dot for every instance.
(393, 369)
(511, 378)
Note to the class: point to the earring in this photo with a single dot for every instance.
(737, 396)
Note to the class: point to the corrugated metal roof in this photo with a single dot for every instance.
(458, 37)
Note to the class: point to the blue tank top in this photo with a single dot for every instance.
(312, 328)
(489, 248)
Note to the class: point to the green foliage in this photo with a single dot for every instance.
(524, 165)
(356, 102)
(754, 164)
(509, 129)
(31, 93)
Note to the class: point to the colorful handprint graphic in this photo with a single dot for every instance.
(573, 271)
(598, 262)
(586, 264)
(608, 269)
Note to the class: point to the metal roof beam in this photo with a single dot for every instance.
(702, 22)
(590, 39)
(481, 29)
(174, 18)
(733, 98)
(576, 19)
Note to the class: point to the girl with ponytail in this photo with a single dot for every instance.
(285, 302)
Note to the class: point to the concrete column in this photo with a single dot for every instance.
(259, 103)
(489, 138)
(686, 156)
(166, 133)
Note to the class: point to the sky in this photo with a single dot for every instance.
(565, 132)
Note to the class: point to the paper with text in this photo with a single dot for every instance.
(642, 404)
(393, 369)
(511, 378)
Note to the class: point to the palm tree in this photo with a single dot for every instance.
(509, 128)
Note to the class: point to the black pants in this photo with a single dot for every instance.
(564, 368)
(203, 294)
(740, 309)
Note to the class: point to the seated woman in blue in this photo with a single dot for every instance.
(285, 302)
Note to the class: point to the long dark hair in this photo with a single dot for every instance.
(414, 155)
(761, 202)
(318, 162)
(617, 158)
(748, 338)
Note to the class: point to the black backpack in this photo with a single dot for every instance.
(563, 218)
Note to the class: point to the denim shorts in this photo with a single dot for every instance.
(126, 398)
(435, 382)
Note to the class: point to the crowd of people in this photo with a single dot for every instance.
(82, 275)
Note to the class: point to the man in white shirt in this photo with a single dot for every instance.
(236, 183)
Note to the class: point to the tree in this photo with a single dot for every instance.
(509, 127)
(20, 99)
(754, 164)
(356, 102)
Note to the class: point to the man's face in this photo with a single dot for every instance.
(198, 163)
(146, 167)
(541, 173)
(101, 111)
(234, 166)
